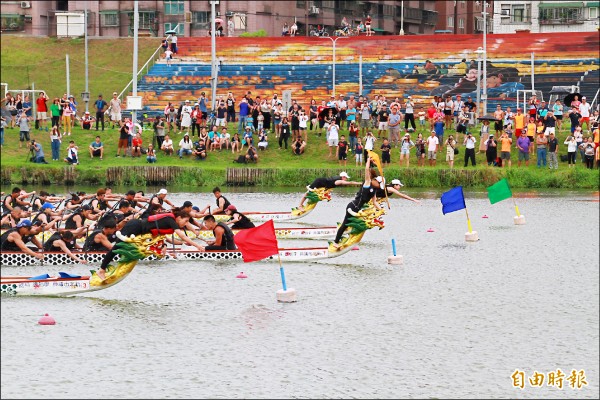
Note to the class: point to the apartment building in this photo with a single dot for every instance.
(113, 18)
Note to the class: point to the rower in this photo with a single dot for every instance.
(11, 219)
(394, 188)
(238, 220)
(46, 217)
(364, 195)
(16, 239)
(43, 198)
(222, 202)
(63, 241)
(328, 183)
(102, 239)
(222, 233)
(15, 198)
(99, 202)
(194, 212)
(77, 219)
(121, 215)
(162, 224)
(156, 203)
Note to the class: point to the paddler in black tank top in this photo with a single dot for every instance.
(165, 224)
(63, 241)
(222, 202)
(394, 188)
(223, 235)
(238, 220)
(328, 183)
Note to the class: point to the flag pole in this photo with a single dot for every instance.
(516, 207)
(281, 271)
(468, 221)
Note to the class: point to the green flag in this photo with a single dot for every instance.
(499, 191)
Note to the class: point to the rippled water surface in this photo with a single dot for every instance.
(455, 320)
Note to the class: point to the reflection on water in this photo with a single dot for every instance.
(456, 319)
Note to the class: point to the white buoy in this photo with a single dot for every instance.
(471, 236)
(519, 219)
(395, 260)
(287, 296)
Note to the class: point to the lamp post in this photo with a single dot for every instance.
(333, 69)
(402, 18)
(484, 95)
(86, 57)
(479, 52)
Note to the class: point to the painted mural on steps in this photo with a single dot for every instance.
(395, 66)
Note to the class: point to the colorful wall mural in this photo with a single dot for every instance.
(395, 66)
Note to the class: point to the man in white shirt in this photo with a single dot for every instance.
(584, 110)
(458, 105)
(433, 145)
(115, 109)
(469, 143)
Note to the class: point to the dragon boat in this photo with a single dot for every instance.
(313, 197)
(147, 247)
(280, 233)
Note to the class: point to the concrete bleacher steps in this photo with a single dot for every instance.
(270, 65)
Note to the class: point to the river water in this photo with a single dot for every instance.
(455, 320)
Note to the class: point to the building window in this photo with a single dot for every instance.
(109, 18)
(239, 21)
(520, 13)
(174, 7)
(301, 4)
(593, 12)
(177, 26)
(12, 22)
(450, 22)
(561, 15)
(461, 23)
(201, 19)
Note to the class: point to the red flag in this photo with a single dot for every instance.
(257, 243)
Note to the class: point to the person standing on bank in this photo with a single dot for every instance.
(469, 143)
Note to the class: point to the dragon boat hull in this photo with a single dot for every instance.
(15, 258)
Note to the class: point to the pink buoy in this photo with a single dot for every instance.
(355, 248)
(485, 216)
(430, 230)
(46, 320)
(241, 275)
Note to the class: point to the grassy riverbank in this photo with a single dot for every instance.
(277, 167)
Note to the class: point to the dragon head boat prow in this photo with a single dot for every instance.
(131, 250)
(313, 197)
(368, 217)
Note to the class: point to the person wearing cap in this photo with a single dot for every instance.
(552, 151)
(115, 109)
(166, 224)
(100, 106)
(16, 239)
(46, 217)
(238, 220)
(42, 198)
(156, 203)
(393, 188)
(328, 183)
(542, 111)
(366, 193)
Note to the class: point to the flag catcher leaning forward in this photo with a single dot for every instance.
(167, 223)
(328, 183)
(364, 195)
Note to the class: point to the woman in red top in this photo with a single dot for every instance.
(136, 144)
(368, 25)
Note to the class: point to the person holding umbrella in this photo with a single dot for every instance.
(173, 39)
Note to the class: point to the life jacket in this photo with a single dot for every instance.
(91, 245)
(227, 238)
(243, 223)
(160, 231)
(227, 204)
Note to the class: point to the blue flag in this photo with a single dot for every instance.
(453, 200)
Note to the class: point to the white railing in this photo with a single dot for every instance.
(595, 101)
(144, 70)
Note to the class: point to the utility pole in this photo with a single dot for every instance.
(213, 55)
